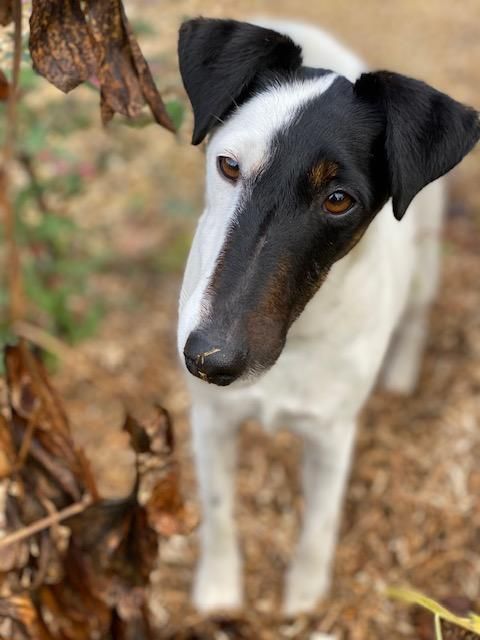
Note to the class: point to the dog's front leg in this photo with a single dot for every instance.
(218, 582)
(326, 465)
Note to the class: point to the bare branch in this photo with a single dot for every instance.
(16, 302)
(45, 523)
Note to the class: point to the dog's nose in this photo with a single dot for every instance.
(213, 361)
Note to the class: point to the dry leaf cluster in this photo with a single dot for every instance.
(85, 576)
(75, 41)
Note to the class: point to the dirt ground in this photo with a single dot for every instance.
(411, 514)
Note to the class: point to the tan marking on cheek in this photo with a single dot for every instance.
(274, 301)
(321, 173)
(265, 324)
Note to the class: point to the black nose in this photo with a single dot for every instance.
(212, 359)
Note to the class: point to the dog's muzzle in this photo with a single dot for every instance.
(214, 360)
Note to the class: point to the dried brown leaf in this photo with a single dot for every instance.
(69, 46)
(152, 439)
(60, 43)
(4, 84)
(47, 472)
(21, 610)
(34, 403)
(89, 575)
(117, 75)
(7, 452)
(167, 512)
(149, 90)
(6, 12)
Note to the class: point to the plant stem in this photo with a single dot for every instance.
(16, 296)
(45, 523)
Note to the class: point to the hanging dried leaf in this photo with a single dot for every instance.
(60, 44)
(4, 87)
(69, 46)
(6, 12)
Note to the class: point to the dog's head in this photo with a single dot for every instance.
(299, 162)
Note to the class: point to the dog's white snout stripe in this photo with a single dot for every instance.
(247, 135)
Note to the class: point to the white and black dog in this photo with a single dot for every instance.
(299, 273)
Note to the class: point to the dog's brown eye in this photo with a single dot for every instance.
(229, 168)
(338, 202)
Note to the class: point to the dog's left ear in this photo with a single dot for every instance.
(219, 60)
(426, 132)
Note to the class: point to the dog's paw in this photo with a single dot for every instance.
(307, 583)
(218, 585)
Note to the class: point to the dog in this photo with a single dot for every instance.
(300, 277)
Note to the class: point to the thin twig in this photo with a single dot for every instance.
(45, 523)
(80, 363)
(52, 344)
(27, 163)
(16, 297)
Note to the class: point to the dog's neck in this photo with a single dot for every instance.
(355, 263)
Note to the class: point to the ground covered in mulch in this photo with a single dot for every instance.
(412, 515)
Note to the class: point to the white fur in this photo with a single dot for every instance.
(333, 353)
(246, 138)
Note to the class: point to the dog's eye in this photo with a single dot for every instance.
(338, 202)
(229, 168)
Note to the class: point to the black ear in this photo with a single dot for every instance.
(219, 60)
(426, 132)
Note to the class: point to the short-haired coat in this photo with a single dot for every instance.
(300, 276)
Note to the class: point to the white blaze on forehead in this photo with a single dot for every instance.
(249, 131)
(247, 136)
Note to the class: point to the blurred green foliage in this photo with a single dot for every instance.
(58, 266)
(55, 267)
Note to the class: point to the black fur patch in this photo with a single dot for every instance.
(219, 61)
(427, 132)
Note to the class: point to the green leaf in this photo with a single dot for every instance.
(54, 229)
(29, 79)
(143, 27)
(176, 111)
(35, 138)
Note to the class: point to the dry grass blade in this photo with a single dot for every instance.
(465, 624)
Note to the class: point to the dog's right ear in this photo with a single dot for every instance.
(219, 59)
